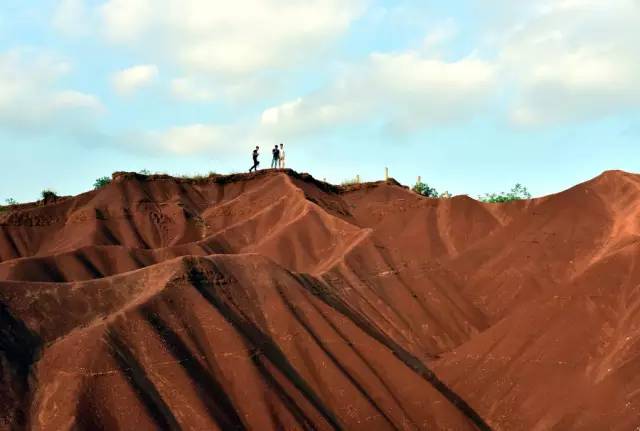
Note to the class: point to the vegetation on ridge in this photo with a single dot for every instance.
(424, 190)
(48, 195)
(101, 182)
(518, 192)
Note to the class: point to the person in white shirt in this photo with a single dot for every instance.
(281, 162)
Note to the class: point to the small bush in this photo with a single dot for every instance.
(49, 195)
(145, 172)
(101, 182)
(518, 192)
(424, 190)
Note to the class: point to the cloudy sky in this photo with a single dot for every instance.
(473, 95)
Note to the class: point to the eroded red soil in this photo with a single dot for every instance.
(274, 301)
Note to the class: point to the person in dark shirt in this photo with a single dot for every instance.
(255, 160)
(276, 157)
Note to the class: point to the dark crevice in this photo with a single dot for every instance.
(93, 270)
(364, 360)
(318, 289)
(18, 343)
(140, 382)
(109, 235)
(299, 316)
(210, 390)
(53, 272)
(11, 242)
(290, 403)
(20, 349)
(278, 425)
(260, 340)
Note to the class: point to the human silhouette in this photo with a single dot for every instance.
(255, 160)
(281, 156)
(276, 157)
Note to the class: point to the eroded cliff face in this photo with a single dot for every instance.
(274, 301)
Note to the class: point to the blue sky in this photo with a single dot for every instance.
(473, 95)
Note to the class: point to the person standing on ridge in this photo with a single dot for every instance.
(255, 160)
(276, 157)
(281, 165)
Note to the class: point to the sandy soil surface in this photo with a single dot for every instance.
(273, 301)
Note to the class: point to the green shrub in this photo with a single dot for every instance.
(11, 202)
(518, 192)
(48, 195)
(101, 182)
(424, 190)
(145, 172)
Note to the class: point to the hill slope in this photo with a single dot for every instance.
(274, 301)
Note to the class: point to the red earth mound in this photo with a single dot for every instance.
(273, 301)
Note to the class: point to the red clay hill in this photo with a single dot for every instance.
(273, 301)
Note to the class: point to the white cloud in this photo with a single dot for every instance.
(281, 113)
(220, 44)
(189, 89)
(129, 80)
(30, 97)
(405, 90)
(126, 20)
(70, 99)
(572, 60)
(547, 62)
(440, 34)
(189, 139)
(71, 17)
(184, 140)
(234, 93)
(411, 74)
(309, 115)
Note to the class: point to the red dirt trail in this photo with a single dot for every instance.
(272, 301)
